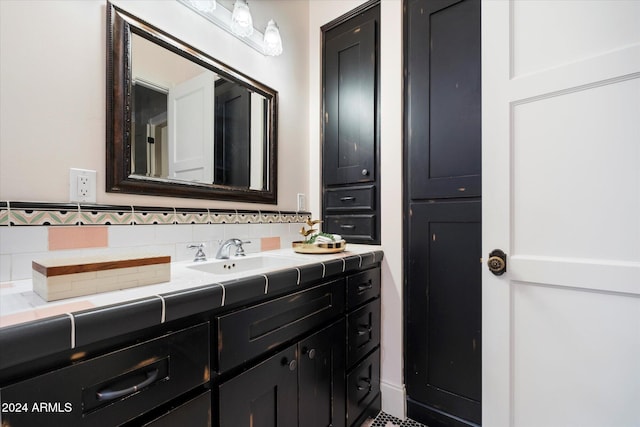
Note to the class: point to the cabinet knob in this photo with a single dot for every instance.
(292, 364)
(311, 353)
(365, 172)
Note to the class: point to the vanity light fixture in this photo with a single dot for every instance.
(206, 6)
(272, 39)
(239, 24)
(241, 20)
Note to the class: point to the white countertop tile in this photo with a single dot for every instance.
(18, 302)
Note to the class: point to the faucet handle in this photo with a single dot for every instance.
(200, 255)
(239, 249)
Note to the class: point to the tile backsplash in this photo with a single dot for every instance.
(30, 231)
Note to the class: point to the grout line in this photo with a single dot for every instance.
(73, 330)
(163, 316)
(224, 294)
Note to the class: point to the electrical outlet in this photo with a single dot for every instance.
(301, 202)
(82, 185)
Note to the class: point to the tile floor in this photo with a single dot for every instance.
(386, 420)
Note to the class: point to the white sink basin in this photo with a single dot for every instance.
(249, 263)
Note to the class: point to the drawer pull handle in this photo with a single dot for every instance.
(364, 330)
(366, 382)
(114, 394)
(365, 287)
(347, 199)
(347, 226)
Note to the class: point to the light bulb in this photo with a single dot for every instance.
(204, 5)
(241, 20)
(272, 39)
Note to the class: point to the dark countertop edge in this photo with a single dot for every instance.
(51, 335)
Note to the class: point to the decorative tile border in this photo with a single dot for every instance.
(41, 213)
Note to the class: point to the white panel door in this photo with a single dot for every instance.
(191, 123)
(561, 196)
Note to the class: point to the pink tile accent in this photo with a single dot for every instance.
(41, 313)
(77, 237)
(63, 308)
(269, 243)
(12, 319)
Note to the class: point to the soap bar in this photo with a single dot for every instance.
(55, 279)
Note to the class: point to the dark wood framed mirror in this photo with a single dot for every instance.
(182, 124)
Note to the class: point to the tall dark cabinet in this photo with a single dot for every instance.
(442, 149)
(350, 124)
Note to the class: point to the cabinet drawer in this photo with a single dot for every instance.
(247, 333)
(114, 388)
(350, 199)
(363, 331)
(361, 228)
(362, 287)
(363, 386)
(194, 413)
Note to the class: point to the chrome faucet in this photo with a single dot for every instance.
(200, 255)
(223, 250)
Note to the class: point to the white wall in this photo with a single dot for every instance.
(320, 13)
(52, 80)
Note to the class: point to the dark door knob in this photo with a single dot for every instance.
(497, 262)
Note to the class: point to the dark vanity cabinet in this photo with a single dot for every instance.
(307, 355)
(327, 374)
(302, 385)
(157, 382)
(306, 375)
(350, 120)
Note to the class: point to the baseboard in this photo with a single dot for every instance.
(393, 400)
(433, 417)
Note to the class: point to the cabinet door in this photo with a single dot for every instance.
(321, 378)
(443, 345)
(443, 100)
(350, 100)
(263, 396)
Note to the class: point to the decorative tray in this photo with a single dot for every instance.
(319, 248)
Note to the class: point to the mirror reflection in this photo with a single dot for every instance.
(182, 124)
(190, 124)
